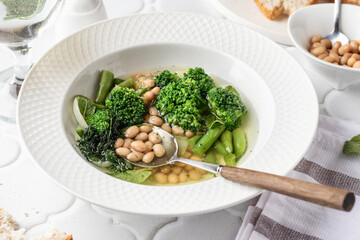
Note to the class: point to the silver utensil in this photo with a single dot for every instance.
(336, 34)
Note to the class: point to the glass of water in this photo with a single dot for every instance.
(21, 21)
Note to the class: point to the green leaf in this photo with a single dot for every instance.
(134, 176)
(352, 146)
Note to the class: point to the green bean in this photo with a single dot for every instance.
(127, 83)
(220, 148)
(105, 85)
(192, 141)
(118, 81)
(230, 160)
(210, 157)
(226, 139)
(239, 140)
(208, 139)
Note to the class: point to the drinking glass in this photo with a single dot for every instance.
(21, 21)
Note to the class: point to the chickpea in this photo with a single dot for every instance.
(159, 150)
(149, 95)
(148, 83)
(165, 169)
(154, 137)
(153, 111)
(326, 43)
(148, 157)
(316, 38)
(344, 49)
(356, 64)
(142, 136)
(135, 156)
(177, 170)
(156, 90)
(177, 130)
(328, 59)
(155, 120)
(180, 164)
(187, 154)
(166, 127)
(132, 131)
(183, 177)
(188, 167)
(318, 51)
(138, 146)
(149, 146)
(196, 158)
(161, 178)
(351, 61)
(119, 143)
(201, 171)
(189, 133)
(122, 151)
(147, 116)
(173, 178)
(127, 142)
(354, 46)
(194, 175)
(145, 128)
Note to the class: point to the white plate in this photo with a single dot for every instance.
(252, 62)
(248, 14)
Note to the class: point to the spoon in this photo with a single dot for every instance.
(311, 192)
(336, 34)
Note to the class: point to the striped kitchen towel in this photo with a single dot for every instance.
(274, 216)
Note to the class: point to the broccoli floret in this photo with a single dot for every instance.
(227, 106)
(99, 120)
(165, 78)
(127, 105)
(204, 81)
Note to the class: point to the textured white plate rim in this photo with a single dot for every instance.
(19, 124)
(281, 37)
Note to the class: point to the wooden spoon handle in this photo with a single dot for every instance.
(320, 194)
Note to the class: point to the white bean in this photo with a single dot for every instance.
(138, 146)
(132, 131)
(119, 143)
(154, 137)
(148, 157)
(159, 150)
(142, 136)
(155, 120)
(122, 151)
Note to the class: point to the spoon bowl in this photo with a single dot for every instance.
(336, 35)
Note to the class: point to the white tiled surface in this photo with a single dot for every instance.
(38, 204)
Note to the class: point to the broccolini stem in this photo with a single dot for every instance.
(118, 81)
(100, 106)
(226, 139)
(208, 139)
(192, 141)
(127, 83)
(210, 157)
(220, 148)
(239, 140)
(105, 85)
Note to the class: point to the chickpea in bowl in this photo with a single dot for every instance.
(345, 55)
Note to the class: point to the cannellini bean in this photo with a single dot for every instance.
(161, 178)
(149, 95)
(356, 56)
(154, 137)
(322, 56)
(149, 146)
(354, 46)
(316, 38)
(356, 64)
(148, 157)
(336, 46)
(156, 90)
(119, 143)
(135, 156)
(132, 131)
(194, 175)
(148, 83)
(351, 61)
(145, 128)
(142, 136)
(122, 151)
(166, 127)
(153, 111)
(345, 58)
(317, 44)
(344, 49)
(326, 43)
(334, 56)
(146, 102)
(173, 178)
(183, 177)
(189, 134)
(127, 142)
(177, 130)
(328, 59)
(155, 120)
(138, 146)
(318, 51)
(159, 150)
(147, 116)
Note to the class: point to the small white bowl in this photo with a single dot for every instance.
(318, 19)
